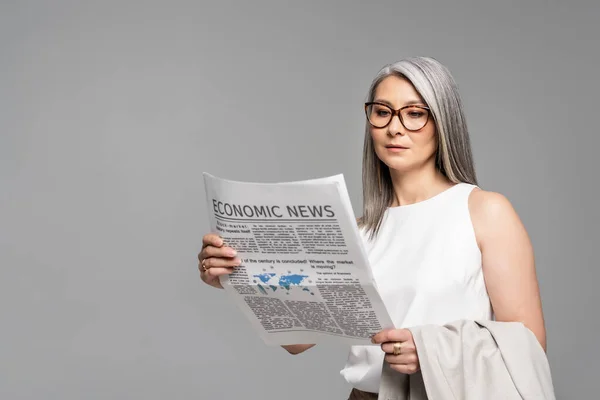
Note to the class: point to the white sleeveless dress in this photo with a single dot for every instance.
(427, 268)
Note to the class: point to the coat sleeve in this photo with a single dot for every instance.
(473, 360)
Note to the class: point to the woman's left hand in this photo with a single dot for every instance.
(400, 349)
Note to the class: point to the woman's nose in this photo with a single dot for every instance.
(395, 126)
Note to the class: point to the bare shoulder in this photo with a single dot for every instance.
(484, 203)
(491, 213)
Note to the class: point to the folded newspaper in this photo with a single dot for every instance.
(304, 276)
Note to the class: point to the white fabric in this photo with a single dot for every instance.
(427, 267)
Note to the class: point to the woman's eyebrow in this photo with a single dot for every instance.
(408, 103)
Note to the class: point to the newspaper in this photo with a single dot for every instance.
(304, 277)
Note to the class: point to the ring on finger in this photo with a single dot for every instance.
(397, 348)
(204, 267)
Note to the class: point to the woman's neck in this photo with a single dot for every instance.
(415, 186)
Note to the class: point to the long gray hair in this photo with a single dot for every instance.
(453, 158)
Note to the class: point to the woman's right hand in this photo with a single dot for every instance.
(216, 259)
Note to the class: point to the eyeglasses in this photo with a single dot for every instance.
(412, 117)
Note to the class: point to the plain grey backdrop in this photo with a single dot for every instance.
(111, 110)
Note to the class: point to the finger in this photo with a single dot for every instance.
(213, 280)
(212, 251)
(405, 347)
(212, 239)
(404, 368)
(392, 335)
(215, 262)
(409, 358)
(216, 272)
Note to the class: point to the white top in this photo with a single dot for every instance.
(427, 268)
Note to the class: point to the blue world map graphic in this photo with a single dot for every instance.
(271, 281)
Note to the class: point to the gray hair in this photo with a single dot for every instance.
(453, 158)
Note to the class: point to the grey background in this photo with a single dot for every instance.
(110, 111)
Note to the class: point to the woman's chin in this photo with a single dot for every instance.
(399, 165)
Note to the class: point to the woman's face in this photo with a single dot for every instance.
(399, 148)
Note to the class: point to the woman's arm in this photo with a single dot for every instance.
(508, 262)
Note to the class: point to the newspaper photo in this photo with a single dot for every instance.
(304, 277)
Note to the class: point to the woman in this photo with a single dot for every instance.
(441, 248)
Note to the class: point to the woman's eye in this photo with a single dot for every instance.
(382, 113)
(415, 114)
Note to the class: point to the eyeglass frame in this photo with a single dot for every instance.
(397, 113)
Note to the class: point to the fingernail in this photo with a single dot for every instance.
(231, 253)
(237, 261)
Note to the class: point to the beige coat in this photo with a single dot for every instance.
(473, 360)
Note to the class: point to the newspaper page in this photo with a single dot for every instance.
(304, 276)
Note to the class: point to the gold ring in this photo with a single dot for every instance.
(397, 348)
(204, 267)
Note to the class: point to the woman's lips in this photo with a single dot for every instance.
(395, 148)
